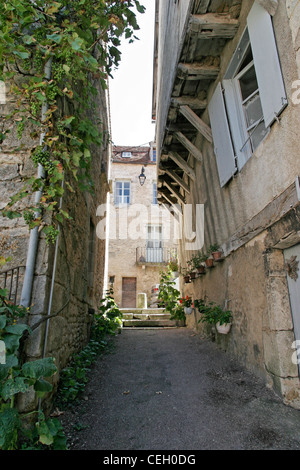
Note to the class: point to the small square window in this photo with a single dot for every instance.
(126, 154)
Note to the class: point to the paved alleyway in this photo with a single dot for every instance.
(171, 390)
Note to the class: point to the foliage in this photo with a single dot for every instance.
(78, 42)
(186, 301)
(213, 248)
(212, 313)
(109, 318)
(73, 379)
(168, 296)
(17, 377)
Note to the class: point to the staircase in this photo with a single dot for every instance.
(148, 318)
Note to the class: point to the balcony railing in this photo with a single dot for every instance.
(11, 280)
(155, 256)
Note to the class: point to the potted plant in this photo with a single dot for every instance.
(209, 261)
(215, 251)
(173, 267)
(213, 314)
(191, 271)
(187, 304)
(197, 261)
(186, 275)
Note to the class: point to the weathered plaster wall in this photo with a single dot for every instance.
(252, 278)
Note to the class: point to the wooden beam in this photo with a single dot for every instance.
(189, 146)
(197, 71)
(167, 198)
(213, 25)
(183, 165)
(197, 122)
(269, 5)
(191, 101)
(178, 180)
(174, 191)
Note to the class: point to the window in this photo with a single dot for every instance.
(154, 197)
(126, 154)
(250, 97)
(154, 250)
(122, 193)
(153, 155)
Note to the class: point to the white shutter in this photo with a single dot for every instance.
(266, 61)
(237, 124)
(221, 136)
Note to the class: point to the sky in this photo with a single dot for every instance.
(131, 88)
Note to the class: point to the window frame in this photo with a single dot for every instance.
(117, 201)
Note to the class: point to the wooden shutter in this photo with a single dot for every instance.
(267, 65)
(221, 136)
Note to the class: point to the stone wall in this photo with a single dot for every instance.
(72, 291)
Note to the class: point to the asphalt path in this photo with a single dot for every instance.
(173, 390)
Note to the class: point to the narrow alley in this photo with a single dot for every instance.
(170, 389)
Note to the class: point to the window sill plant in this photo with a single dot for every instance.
(215, 252)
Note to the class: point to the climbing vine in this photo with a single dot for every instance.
(53, 55)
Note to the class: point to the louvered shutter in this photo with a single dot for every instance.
(267, 65)
(221, 136)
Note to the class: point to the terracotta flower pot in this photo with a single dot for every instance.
(201, 269)
(209, 262)
(193, 275)
(186, 279)
(217, 255)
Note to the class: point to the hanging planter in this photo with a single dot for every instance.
(188, 310)
(186, 279)
(224, 328)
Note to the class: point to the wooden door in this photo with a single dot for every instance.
(292, 258)
(129, 292)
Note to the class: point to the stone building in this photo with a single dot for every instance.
(62, 283)
(226, 104)
(143, 236)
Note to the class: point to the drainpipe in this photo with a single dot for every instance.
(34, 234)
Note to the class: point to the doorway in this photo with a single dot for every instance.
(129, 292)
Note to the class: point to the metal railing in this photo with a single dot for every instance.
(146, 255)
(10, 280)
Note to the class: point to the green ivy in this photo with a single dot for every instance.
(169, 296)
(17, 377)
(81, 39)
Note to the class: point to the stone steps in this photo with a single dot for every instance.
(148, 318)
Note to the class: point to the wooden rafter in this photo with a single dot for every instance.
(197, 122)
(196, 71)
(178, 180)
(213, 25)
(174, 191)
(183, 164)
(189, 146)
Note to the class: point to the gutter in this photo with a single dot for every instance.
(34, 234)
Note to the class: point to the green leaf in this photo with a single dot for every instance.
(55, 37)
(17, 329)
(39, 368)
(3, 320)
(14, 386)
(9, 425)
(21, 55)
(42, 386)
